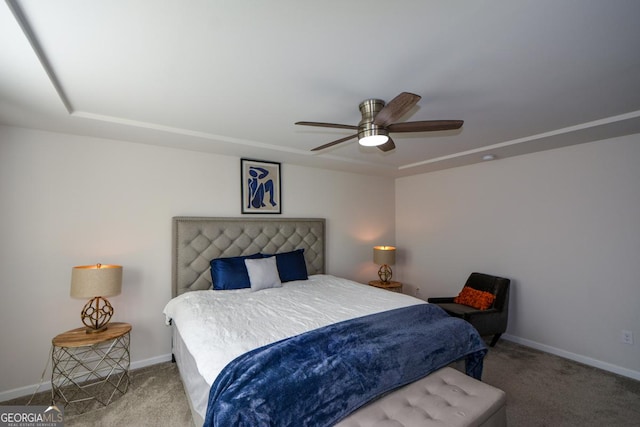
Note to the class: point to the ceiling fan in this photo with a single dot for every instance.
(378, 121)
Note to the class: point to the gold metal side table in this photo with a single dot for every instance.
(92, 367)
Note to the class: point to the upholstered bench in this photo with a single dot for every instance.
(444, 398)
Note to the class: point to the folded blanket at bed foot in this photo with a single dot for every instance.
(319, 377)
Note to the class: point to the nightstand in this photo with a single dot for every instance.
(391, 286)
(90, 367)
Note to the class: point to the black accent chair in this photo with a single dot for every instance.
(492, 321)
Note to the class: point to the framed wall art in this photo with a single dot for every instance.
(260, 187)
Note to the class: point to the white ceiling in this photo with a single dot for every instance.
(232, 76)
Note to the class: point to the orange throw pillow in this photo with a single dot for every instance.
(475, 298)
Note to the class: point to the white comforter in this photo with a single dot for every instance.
(218, 326)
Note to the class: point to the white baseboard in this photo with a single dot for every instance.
(151, 361)
(46, 384)
(24, 391)
(575, 357)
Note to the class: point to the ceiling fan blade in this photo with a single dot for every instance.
(332, 143)
(387, 146)
(425, 126)
(327, 125)
(396, 108)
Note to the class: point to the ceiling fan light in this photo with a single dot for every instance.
(373, 140)
(370, 135)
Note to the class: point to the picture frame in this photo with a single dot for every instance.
(260, 187)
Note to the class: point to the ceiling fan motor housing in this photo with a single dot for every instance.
(378, 119)
(369, 108)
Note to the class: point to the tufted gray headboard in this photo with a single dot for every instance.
(198, 240)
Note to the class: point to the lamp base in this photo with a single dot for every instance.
(96, 315)
(385, 273)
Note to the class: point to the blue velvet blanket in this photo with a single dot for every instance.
(319, 377)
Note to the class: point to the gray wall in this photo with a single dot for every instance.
(68, 200)
(563, 224)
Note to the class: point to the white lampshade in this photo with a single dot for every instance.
(98, 280)
(384, 255)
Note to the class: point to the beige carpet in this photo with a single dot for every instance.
(542, 390)
(546, 390)
(155, 398)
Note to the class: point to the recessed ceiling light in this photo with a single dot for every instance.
(488, 157)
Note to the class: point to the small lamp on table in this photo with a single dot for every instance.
(96, 282)
(384, 256)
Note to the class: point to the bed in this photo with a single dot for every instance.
(220, 337)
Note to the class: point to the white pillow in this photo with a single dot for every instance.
(263, 273)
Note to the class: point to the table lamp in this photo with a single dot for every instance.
(384, 256)
(96, 282)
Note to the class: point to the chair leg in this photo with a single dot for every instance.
(495, 339)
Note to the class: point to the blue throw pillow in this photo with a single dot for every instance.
(291, 265)
(231, 273)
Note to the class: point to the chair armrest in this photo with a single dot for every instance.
(440, 300)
